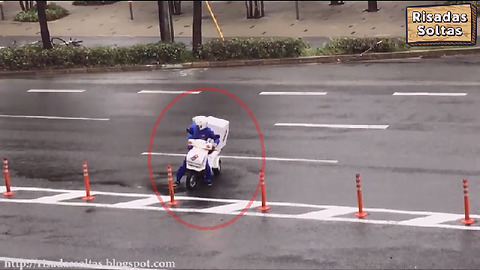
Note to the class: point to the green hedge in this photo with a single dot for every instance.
(53, 11)
(251, 48)
(360, 45)
(35, 58)
(92, 3)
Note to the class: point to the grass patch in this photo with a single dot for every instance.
(475, 3)
(361, 45)
(53, 11)
(312, 51)
(344, 46)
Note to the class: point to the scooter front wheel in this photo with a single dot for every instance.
(192, 182)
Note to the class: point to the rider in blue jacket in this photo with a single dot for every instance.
(198, 130)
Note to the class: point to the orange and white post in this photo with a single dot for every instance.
(360, 213)
(86, 181)
(467, 220)
(9, 192)
(264, 207)
(170, 187)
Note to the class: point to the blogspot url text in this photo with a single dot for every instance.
(39, 264)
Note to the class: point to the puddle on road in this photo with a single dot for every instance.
(285, 210)
(193, 204)
(384, 216)
(104, 199)
(29, 195)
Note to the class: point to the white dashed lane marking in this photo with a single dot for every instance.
(166, 92)
(307, 125)
(53, 117)
(55, 91)
(429, 94)
(235, 207)
(252, 158)
(293, 93)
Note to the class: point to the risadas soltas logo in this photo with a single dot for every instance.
(442, 25)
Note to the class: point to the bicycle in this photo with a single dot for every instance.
(71, 42)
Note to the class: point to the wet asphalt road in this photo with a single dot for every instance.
(417, 163)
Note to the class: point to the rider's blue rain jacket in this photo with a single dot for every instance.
(195, 133)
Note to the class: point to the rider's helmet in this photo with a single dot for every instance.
(201, 122)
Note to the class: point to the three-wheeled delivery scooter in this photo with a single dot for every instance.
(202, 151)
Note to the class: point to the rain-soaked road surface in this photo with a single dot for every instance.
(412, 152)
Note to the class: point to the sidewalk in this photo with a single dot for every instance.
(318, 20)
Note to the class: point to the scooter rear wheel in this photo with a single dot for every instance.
(216, 171)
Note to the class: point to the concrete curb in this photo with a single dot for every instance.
(258, 62)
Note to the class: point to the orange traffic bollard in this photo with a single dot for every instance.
(467, 220)
(360, 213)
(264, 207)
(170, 187)
(9, 192)
(86, 180)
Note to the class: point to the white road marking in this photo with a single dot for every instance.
(60, 197)
(53, 117)
(327, 213)
(139, 202)
(429, 94)
(331, 126)
(293, 93)
(225, 209)
(133, 195)
(432, 219)
(165, 92)
(252, 158)
(369, 221)
(55, 91)
(21, 263)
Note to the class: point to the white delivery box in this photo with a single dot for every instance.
(220, 127)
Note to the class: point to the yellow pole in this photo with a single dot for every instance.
(214, 20)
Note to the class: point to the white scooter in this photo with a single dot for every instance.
(197, 158)
(202, 151)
